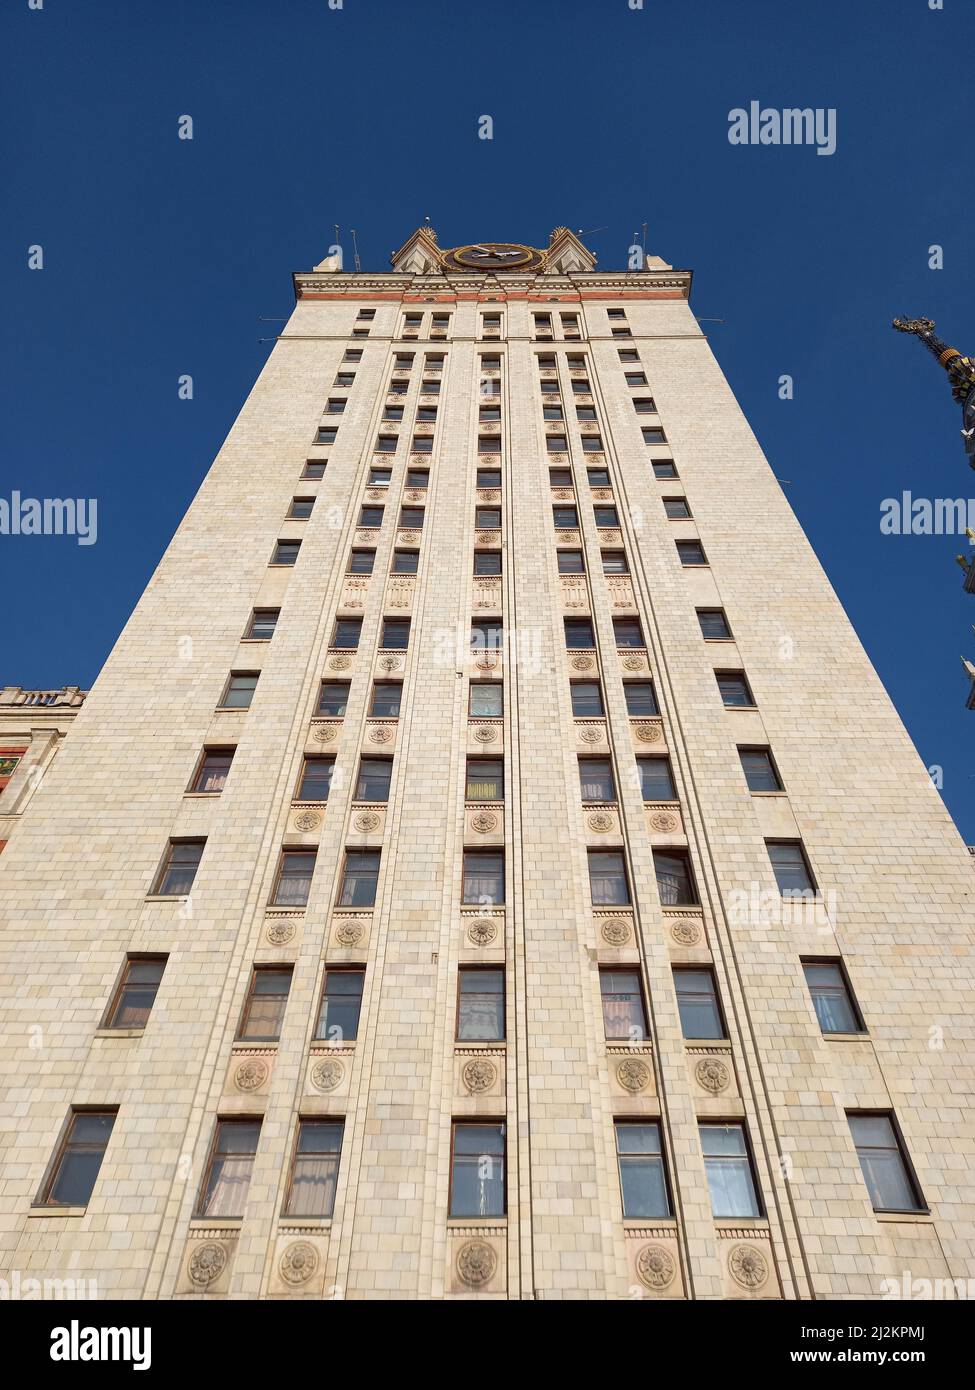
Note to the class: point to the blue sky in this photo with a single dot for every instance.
(160, 255)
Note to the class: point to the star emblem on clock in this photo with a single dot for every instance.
(493, 255)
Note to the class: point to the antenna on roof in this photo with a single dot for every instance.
(591, 231)
(644, 238)
(355, 253)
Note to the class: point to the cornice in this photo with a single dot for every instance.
(339, 284)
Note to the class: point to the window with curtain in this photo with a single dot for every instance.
(315, 1171)
(480, 1005)
(483, 876)
(338, 1014)
(607, 878)
(727, 1163)
(624, 1015)
(675, 882)
(477, 1177)
(596, 779)
(228, 1175)
(643, 1178)
(485, 779)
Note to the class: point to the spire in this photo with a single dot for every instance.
(961, 370)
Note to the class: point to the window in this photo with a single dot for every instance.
(315, 779)
(374, 778)
(379, 477)
(697, 1003)
(571, 562)
(293, 882)
(366, 315)
(581, 387)
(596, 779)
(675, 882)
(411, 517)
(386, 444)
(607, 878)
(405, 561)
(592, 444)
(628, 632)
(301, 508)
(790, 867)
(543, 320)
(136, 992)
(587, 700)
(635, 378)
(489, 477)
(641, 699)
(652, 434)
(489, 414)
(488, 444)
(344, 379)
(643, 1178)
(565, 518)
(314, 469)
(728, 1165)
(491, 362)
(175, 878)
(285, 552)
(359, 878)
(585, 413)
(556, 443)
(552, 412)
(486, 700)
(267, 999)
(326, 434)
(656, 779)
(361, 562)
(487, 635)
(228, 1173)
(211, 770)
(644, 405)
(395, 634)
(483, 876)
(614, 562)
(886, 1170)
(74, 1172)
(546, 361)
(393, 413)
(487, 518)
(346, 634)
(735, 690)
(691, 553)
(616, 314)
(386, 698)
(714, 625)
(606, 516)
(418, 477)
(599, 477)
(315, 1168)
(352, 355)
(485, 779)
(629, 355)
(760, 771)
(575, 361)
(477, 1164)
(624, 1014)
(832, 997)
(403, 361)
(664, 468)
(338, 1013)
(549, 388)
(333, 696)
(560, 477)
(371, 517)
(487, 561)
(423, 444)
(262, 624)
(676, 508)
(578, 633)
(480, 1004)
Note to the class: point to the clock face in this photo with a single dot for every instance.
(494, 255)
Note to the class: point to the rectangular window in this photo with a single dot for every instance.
(487, 561)
(346, 634)
(429, 387)
(487, 518)
(571, 562)
(549, 388)
(635, 378)
(486, 700)
(418, 477)
(489, 477)
(405, 561)
(608, 882)
(228, 1173)
(652, 434)
(352, 355)
(614, 562)
(585, 414)
(675, 882)
(262, 624)
(886, 1170)
(628, 632)
(691, 553)
(556, 443)
(421, 444)
(624, 1013)
(676, 508)
(374, 778)
(581, 387)
(315, 1169)
(267, 999)
(379, 477)
(616, 314)
(326, 434)
(579, 633)
(587, 700)
(301, 508)
(386, 699)
(565, 518)
(480, 1004)
(341, 1004)
(293, 882)
(560, 477)
(728, 1165)
(485, 779)
(483, 876)
(136, 992)
(344, 379)
(361, 562)
(641, 699)
(664, 468)
(714, 625)
(488, 444)
(74, 1172)
(212, 769)
(315, 779)
(643, 1178)
(606, 516)
(735, 690)
(760, 771)
(333, 698)
(656, 779)
(395, 635)
(175, 878)
(629, 355)
(790, 867)
(644, 405)
(314, 469)
(552, 412)
(598, 477)
(371, 517)
(487, 636)
(596, 779)
(366, 315)
(592, 444)
(411, 517)
(285, 552)
(489, 414)
(477, 1169)
(394, 413)
(359, 878)
(832, 997)
(697, 1003)
(386, 444)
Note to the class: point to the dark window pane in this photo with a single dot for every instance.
(579, 633)
(485, 779)
(73, 1180)
(691, 553)
(759, 770)
(607, 878)
(294, 878)
(628, 632)
(480, 1006)
(412, 517)
(240, 690)
(676, 508)
(316, 778)
(614, 562)
(714, 624)
(697, 1002)
(641, 699)
(734, 689)
(316, 1168)
(347, 632)
(477, 1171)
(487, 636)
(179, 870)
(884, 1169)
(265, 1005)
(371, 516)
(643, 1182)
(333, 698)
(301, 508)
(338, 1016)
(262, 624)
(664, 468)
(486, 699)
(831, 997)
(229, 1173)
(359, 879)
(789, 866)
(606, 516)
(596, 779)
(622, 998)
(361, 561)
(566, 518)
(487, 561)
(386, 698)
(211, 774)
(395, 634)
(136, 994)
(571, 562)
(487, 518)
(286, 552)
(374, 778)
(587, 699)
(656, 779)
(674, 881)
(405, 561)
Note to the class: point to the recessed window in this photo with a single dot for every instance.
(585, 414)
(614, 562)
(403, 361)
(619, 314)
(624, 1012)
(395, 635)
(366, 315)
(398, 388)
(652, 434)
(315, 780)
(333, 697)
(579, 633)
(606, 516)
(379, 477)
(635, 378)
(608, 880)
(489, 414)
(341, 1004)
(788, 859)
(714, 625)
(542, 320)
(644, 405)
(676, 508)
(489, 477)
(697, 1004)
(360, 875)
(352, 355)
(421, 444)
(570, 562)
(549, 388)
(560, 477)
(344, 379)
(314, 469)
(429, 387)
(656, 779)
(485, 779)
(76, 1165)
(728, 1165)
(326, 434)
(487, 635)
(556, 443)
(285, 552)
(485, 700)
(491, 362)
(175, 877)
(386, 699)
(292, 883)
(480, 1004)
(628, 632)
(546, 361)
(641, 699)
(267, 999)
(487, 518)
(596, 779)
(664, 468)
(419, 478)
(315, 1169)
(405, 561)
(487, 561)
(581, 387)
(361, 562)
(477, 1169)
(228, 1172)
(691, 553)
(643, 1178)
(393, 413)
(675, 882)
(374, 778)
(386, 444)
(552, 412)
(346, 634)
(629, 355)
(483, 877)
(488, 444)
(592, 444)
(262, 624)
(411, 518)
(211, 770)
(136, 992)
(832, 997)
(884, 1163)
(301, 508)
(587, 700)
(371, 517)
(735, 690)
(565, 518)
(598, 477)
(239, 690)
(760, 771)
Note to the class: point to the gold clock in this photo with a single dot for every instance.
(493, 255)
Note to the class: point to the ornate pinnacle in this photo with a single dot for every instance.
(961, 370)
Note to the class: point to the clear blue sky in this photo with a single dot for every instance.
(161, 254)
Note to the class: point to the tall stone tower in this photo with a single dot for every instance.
(487, 864)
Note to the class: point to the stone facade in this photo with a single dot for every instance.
(32, 726)
(77, 882)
